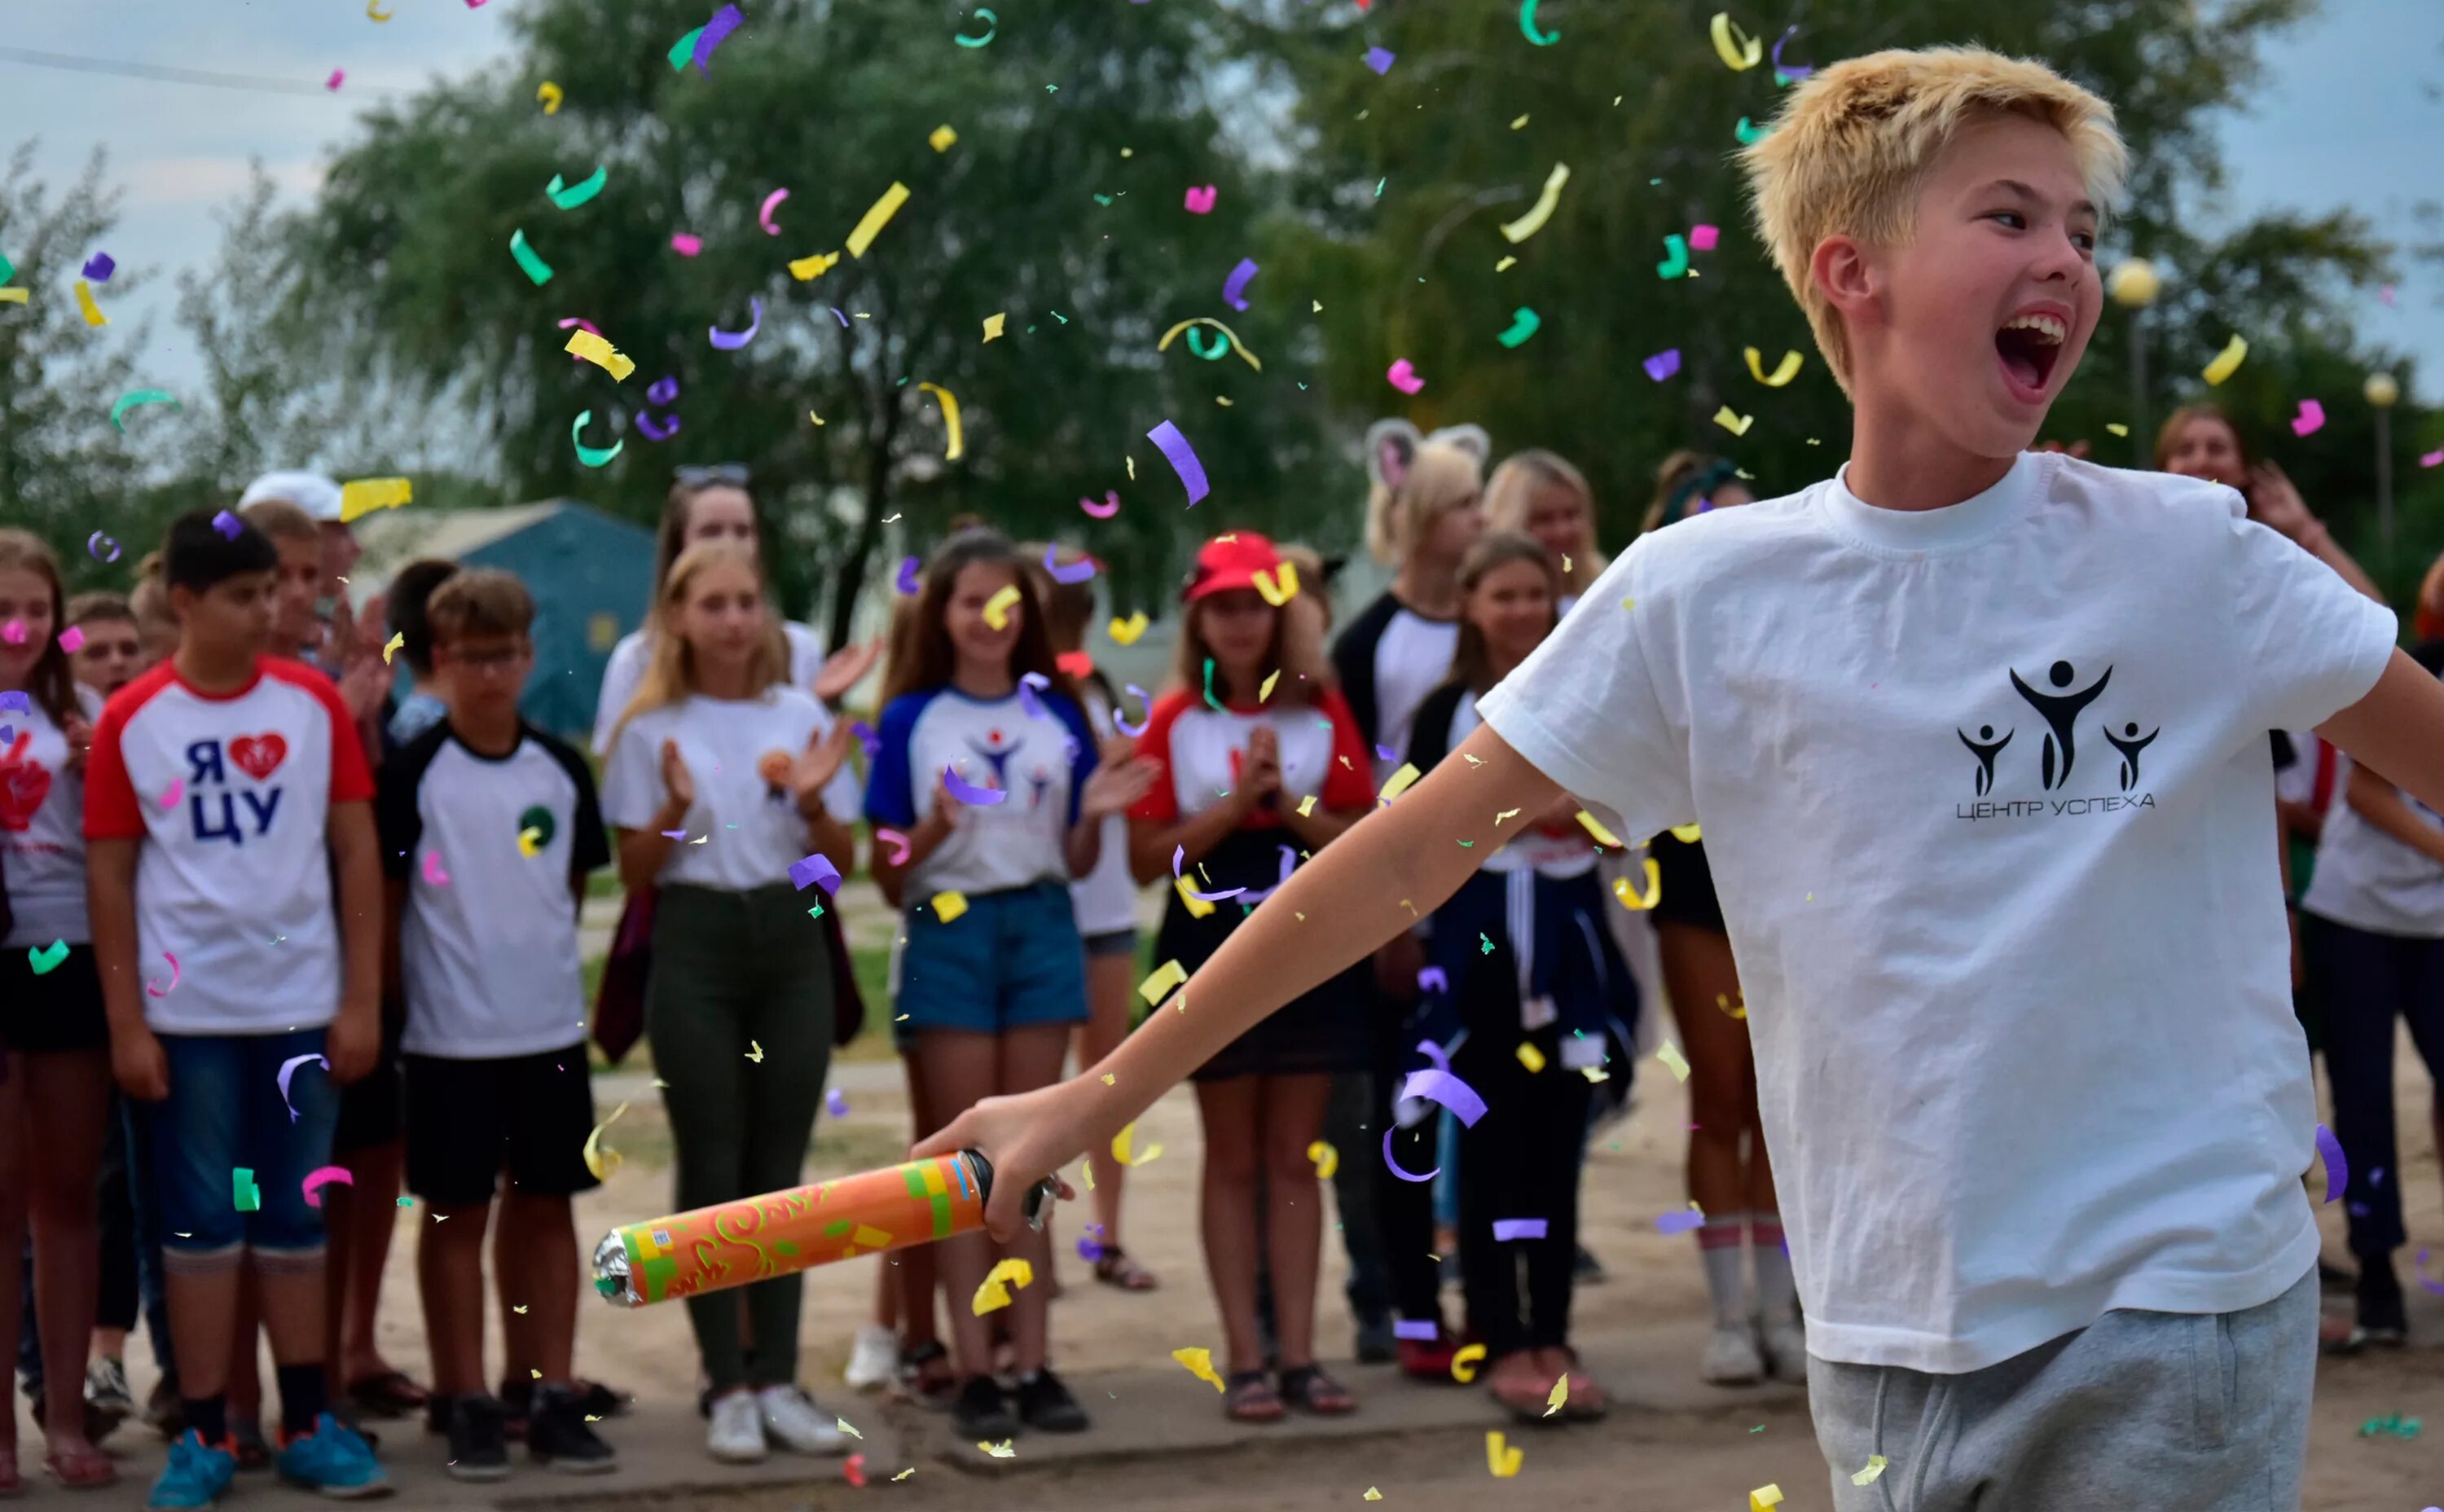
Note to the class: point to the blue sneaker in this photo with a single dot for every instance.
(196, 1474)
(333, 1460)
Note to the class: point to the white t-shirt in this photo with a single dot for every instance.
(42, 827)
(749, 830)
(1984, 794)
(1388, 659)
(489, 848)
(231, 797)
(1105, 899)
(627, 669)
(1041, 760)
(2369, 880)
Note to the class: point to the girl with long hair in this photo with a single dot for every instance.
(2201, 441)
(1553, 981)
(1539, 494)
(1260, 761)
(990, 780)
(719, 782)
(54, 1032)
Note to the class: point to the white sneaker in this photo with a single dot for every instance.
(1732, 1357)
(1785, 1351)
(874, 1362)
(792, 1421)
(737, 1433)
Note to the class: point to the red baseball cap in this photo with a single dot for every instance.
(1229, 561)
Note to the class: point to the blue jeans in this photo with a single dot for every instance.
(223, 1114)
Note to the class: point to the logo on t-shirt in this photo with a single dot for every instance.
(24, 783)
(2058, 699)
(541, 822)
(997, 751)
(211, 809)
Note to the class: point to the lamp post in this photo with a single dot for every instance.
(2382, 392)
(2134, 284)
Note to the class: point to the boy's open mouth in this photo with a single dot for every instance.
(2029, 346)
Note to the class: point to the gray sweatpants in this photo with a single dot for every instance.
(2204, 1411)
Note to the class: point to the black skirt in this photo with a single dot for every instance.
(1320, 1032)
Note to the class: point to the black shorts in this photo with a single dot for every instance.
(61, 1010)
(370, 1107)
(470, 1121)
(1687, 884)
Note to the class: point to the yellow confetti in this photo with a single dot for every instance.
(1265, 688)
(994, 323)
(1121, 1147)
(949, 906)
(1500, 1458)
(813, 266)
(1463, 1365)
(550, 94)
(847, 1428)
(1541, 212)
(1372, 1495)
(392, 644)
(1792, 361)
(1673, 1060)
(1281, 587)
(1108, 1079)
(1596, 827)
(871, 223)
(1555, 1399)
(1328, 1159)
(601, 1158)
(1731, 420)
(950, 420)
(1738, 51)
(1505, 264)
(1197, 907)
(14, 296)
(1000, 1451)
(1635, 902)
(375, 12)
(600, 353)
(1737, 1010)
(1629, 603)
(1875, 1468)
(1200, 1364)
(93, 315)
(812, 415)
(1158, 986)
(942, 138)
(754, 1051)
(1687, 834)
(1306, 807)
(1765, 1498)
(362, 496)
(1516, 124)
(1530, 1056)
(2117, 428)
(993, 1293)
(1507, 813)
(520, 1309)
(997, 608)
(1125, 632)
(530, 842)
(905, 1474)
(1398, 782)
(1237, 344)
(2227, 361)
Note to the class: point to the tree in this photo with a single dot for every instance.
(1078, 130)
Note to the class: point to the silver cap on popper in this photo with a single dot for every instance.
(611, 1272)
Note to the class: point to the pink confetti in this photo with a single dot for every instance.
(1200, 200)
(71, 638)
(176, 790)
(2385, 293)
(686, 244)
(2312, 418)
(160, 990)
(1403, 376)
(2432, 459)
(580, 321)
(1110, 506)
(897, 842)
(1702, 238)
(764, 216)
(13, 632)
(322, 1176)
(434, 875)
(336, 75)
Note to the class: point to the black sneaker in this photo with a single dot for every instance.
(1377, 1343)
(2382, 1321)
(479, 1443)
(1046, 1405)
(980, 1411)
(558, 1435)
(1584, 1268)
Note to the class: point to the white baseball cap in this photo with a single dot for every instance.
(310, 491)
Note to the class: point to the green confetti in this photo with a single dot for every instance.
(684, 50)
(536, 268)
(575, 195)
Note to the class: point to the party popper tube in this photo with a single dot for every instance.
(755, 1239)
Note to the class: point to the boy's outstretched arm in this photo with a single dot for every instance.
(1391, 869)
(2398, 730)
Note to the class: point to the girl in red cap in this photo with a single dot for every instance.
(1260, 763)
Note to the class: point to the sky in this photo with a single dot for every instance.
(2352, 103)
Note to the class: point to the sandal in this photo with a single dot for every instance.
(1309, 1390)
(84, 1469)
(1524, 1396)
(1114, 1267)
(926, 1376)
(1250, 1399)
(389, 1393)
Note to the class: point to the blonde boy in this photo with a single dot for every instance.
(1978, 738)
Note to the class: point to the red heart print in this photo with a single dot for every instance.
(258, 756)
(22, 787)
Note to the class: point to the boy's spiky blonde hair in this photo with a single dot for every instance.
(1847, 155)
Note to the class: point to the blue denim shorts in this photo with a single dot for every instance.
(1012, 959)
(225, 1115)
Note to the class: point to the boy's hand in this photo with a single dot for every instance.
(352, 1042)
(677, 780)
(137, 1060)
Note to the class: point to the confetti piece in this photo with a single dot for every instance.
(870, 225)
(994, 324)
(2310, 420)
(589, 455)
(1527, 25)
(1765, 1498)
(1675, 257)
(1792, 361)
(943, 138)
(243, 1195)
(1000, 1451)
(733, 340)
(711, 34)
(1184, 459)
(755, 1051)
(1125, 632)
(1215, 354)
(836, 1103)
(531, 842)
(359, 497)
(1664, 365)
(320, 1177)
(551, 95)
(1524, 323)
(70, 640)
(130, 400)
(1434, 979)
(162, 989)
(815, 266)
(1738, 51)
(955, 444)
(1121, 1147)
(287, 1070)
(1745, 133)
(93, 315)
(1372, 1495)
(1680, 1221)
(1012, 1274)
(1703, 237)
(966, 792)
(1875, 1463)
(993, 30)
(227, 524)
(1541, 212)
(600, 1158)
(100, 267)
(1733, 421)
(570, 196)
(1399, 782)
(1326, 1160)
(536, 269)
(1500, 1458)
(1437, 1086)
(1381, 59)
(1394, 1166)
(2227, 361)
(1158, 985)
(1237, 282)
(1506, 1229)
(997, 607)
(1789, 72)
(949, 906)
(764, 212)
(1560, 1395)
(1200, 1364)
(1463, 1365)
(1596, 827)
(1530, 1056)
(686, 243)
(171, 794)
(852, 1469)
(1673, 1060)
(375, 12)
(815, 871)
(339, 76)
(2338, 1169)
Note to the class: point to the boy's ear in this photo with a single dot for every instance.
(1840, 267)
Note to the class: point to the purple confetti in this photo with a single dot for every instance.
(8, 734)
(16, 699)
(100, 265)
(2436, 1286)
(1179, 854)
(1793, 71)
(1385, 753)
(967, 792)
(1664, 365)
(227, 524)
(1183, 460)
(1433, 1053)
(645, 423)
(2338, 1170)
(1121, 720)
(733, 340)
(665, 392)
(1029, 684)
(1090, 1245)
(1680, 1222)
(1379, 59)
(1237, 282)
(837, 315)
(908, 566)
(1078, 571)
(1506, 1229)
(815, 871)
(717, 31)
(674, 834)
(1423, 1330)
(836, 1103)
(1441, 1086)
(1396, 1164)
(866, 737)
(1432, 980)
(289, 1069)
(1289, 863)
